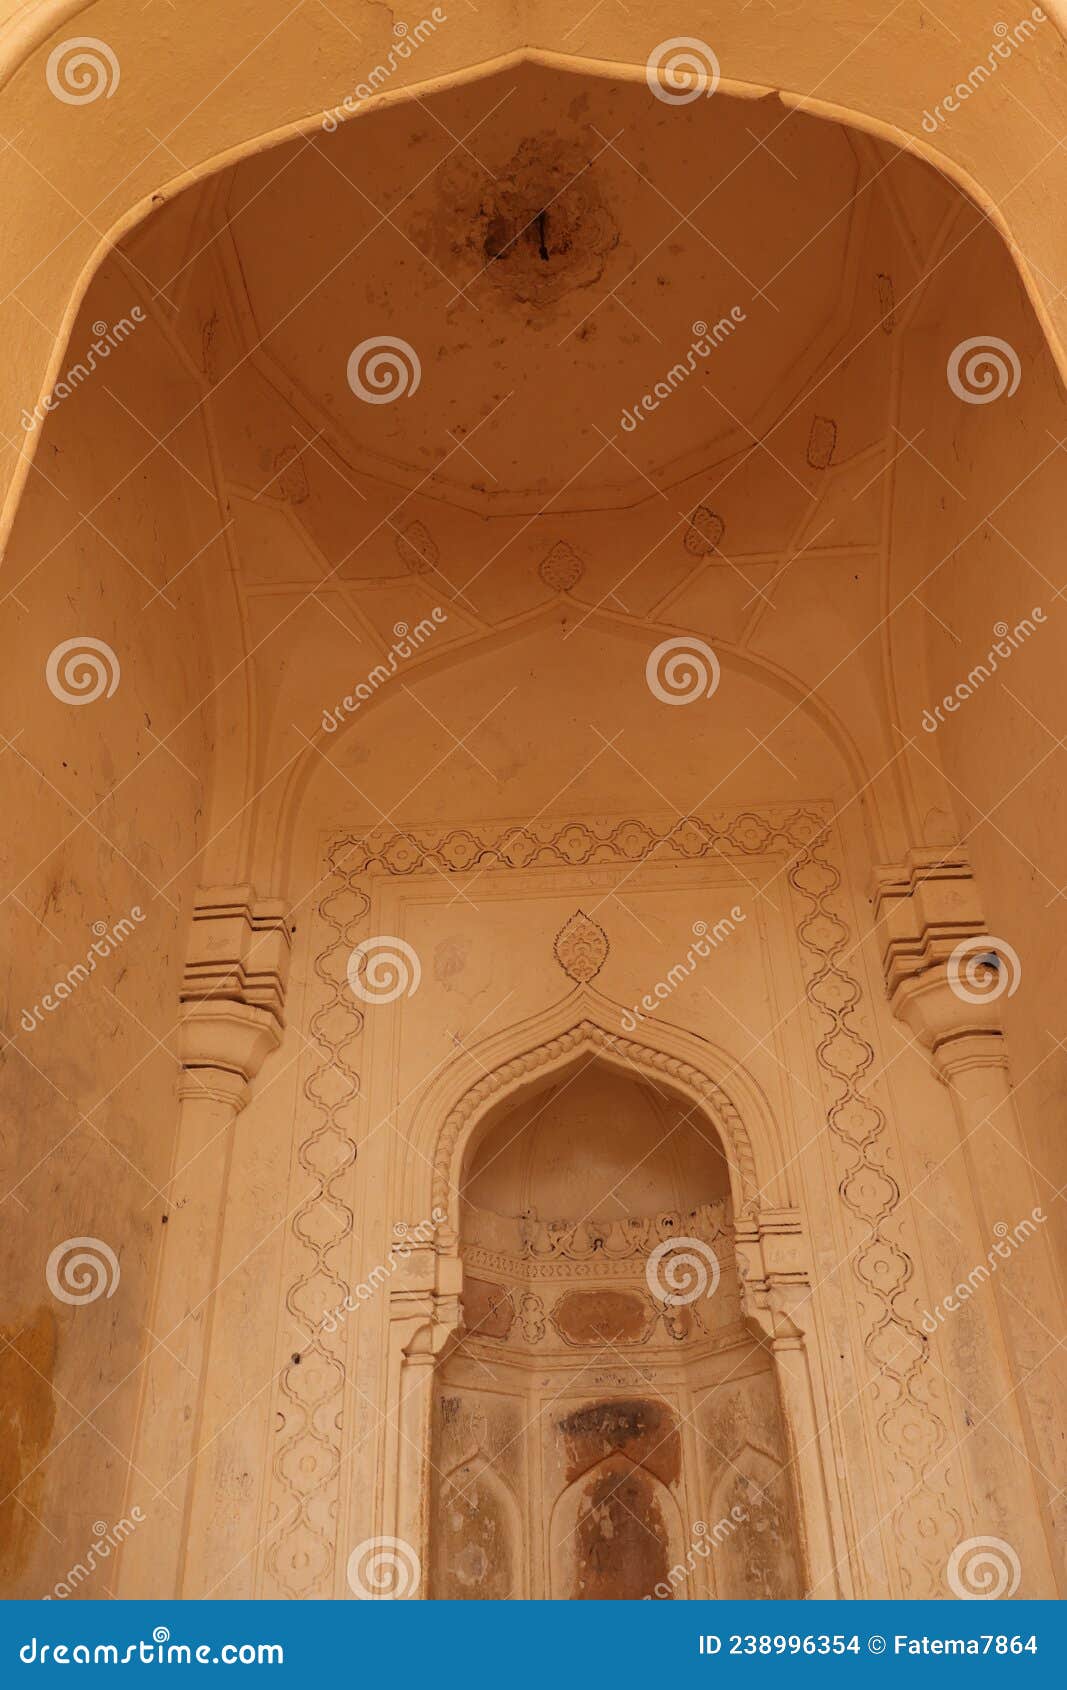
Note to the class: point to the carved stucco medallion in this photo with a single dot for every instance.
(703, 532)
(581, 948)
(417, 549)
(562, 568)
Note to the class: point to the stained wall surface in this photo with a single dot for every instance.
(104, 829)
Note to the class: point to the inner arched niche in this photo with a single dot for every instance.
(603, 1393)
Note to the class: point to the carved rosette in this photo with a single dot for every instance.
(562, 569)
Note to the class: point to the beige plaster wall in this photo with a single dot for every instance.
(978, 512)
(103, 824)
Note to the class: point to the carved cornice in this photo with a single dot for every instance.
(619, 1245)
(233, 990)
(661, 1351)
(238, 950)
(925, 908)
(942, 970)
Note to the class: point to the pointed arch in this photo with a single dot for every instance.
(754, 1527)
(584, 1023)
(477, 1503)
(591, 1492)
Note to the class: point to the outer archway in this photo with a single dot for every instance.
(237, 919)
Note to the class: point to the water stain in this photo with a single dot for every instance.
(27, 1416)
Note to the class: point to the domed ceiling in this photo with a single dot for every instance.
(542, 250)
(544, 346)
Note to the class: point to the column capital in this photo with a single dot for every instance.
(220, 1043)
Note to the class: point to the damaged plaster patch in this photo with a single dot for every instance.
(537, 231)
(621, 1537)
(642, 1429)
